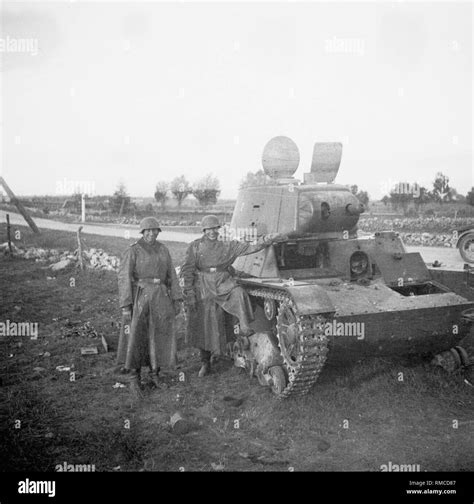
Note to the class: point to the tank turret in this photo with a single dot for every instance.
(316, 207)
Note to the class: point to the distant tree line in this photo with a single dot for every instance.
(206, 190)
(403, 195)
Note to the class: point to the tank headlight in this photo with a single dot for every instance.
(359, 263)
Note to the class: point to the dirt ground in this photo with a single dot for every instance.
(355, 418)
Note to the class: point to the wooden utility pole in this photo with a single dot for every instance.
(83, 208)
(20, 207)
(122, 207)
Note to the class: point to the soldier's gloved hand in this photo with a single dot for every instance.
(177, 306)
(274, 238)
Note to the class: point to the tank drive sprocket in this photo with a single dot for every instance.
(301, 339)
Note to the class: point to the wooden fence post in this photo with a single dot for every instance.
(79, 248)
(9, 238)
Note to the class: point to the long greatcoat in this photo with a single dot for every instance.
(150, 341)
(215, 291)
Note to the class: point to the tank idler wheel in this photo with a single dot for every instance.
(278, 379)
(269, 308)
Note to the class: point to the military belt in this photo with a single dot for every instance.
(150, 280)
(212, 270)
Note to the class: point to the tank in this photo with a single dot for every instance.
(325, 293)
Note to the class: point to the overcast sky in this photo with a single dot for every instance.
(143, 92)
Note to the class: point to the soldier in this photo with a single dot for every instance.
(150, 297)
(209, 287)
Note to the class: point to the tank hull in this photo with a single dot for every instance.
(373, 320)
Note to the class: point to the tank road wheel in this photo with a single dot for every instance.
(301, 340)
(278, 379)
(287, 325)
(466, 247)
(269, 309)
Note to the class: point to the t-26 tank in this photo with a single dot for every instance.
(325, 293)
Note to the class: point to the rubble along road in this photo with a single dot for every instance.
(119, 230)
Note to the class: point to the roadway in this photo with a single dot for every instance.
(449, 257)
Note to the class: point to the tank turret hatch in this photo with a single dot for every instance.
(280, 159)
(325, 164)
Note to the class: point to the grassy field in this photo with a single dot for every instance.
(356, 418)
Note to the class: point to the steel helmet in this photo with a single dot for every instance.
(210, 221)
(149, 223)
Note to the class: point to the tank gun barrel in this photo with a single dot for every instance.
(354, 209)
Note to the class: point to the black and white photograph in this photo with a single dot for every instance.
(237, 237)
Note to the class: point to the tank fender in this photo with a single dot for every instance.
(311, 299)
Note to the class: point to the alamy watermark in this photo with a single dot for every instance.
(248, 234)
(392, 187)
(65, 467)
(28, 486)
(352, 329)
(391, 467)
(345, 45)
(66, 186)
(19, 45)
(9, 328)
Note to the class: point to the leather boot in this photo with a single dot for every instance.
(135, 384)
(205, 369)
(156, 381)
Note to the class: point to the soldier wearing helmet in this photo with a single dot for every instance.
(150, 297)
(210, 289)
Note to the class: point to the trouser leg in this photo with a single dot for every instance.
(205, 355)
(135, 385)
(155, 378)
(240, 306)
(206, 362)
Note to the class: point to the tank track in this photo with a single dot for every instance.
(313, 349)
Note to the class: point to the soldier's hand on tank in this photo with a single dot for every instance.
(274, 238)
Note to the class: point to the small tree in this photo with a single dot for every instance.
(77, 202)
(385, 200)
(442, 192)
(120, 201)
(470, 197)
(206, 190)
(181, 189)
(255, 179)
(161, 193)
(149, 209)
(363, 197)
